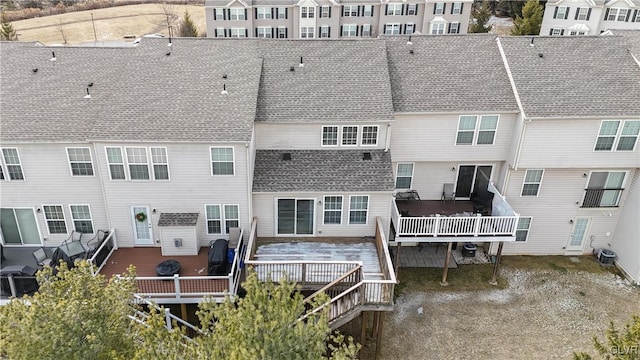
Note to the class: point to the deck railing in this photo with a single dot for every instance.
(103, 252)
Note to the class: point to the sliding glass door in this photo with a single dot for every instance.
(295, 216)
(471, 178)
(19, 227)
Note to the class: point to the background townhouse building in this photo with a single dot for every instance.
(589, 17)
(310, 19)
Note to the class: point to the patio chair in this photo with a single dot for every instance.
(41, 257)
(448, 193)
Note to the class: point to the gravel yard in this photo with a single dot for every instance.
(541, 312)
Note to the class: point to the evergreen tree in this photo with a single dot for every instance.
(7, 32)
(620, 345)
(481, 15)
(530, 21)
(187, 27)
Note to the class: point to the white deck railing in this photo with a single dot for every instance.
(103, 252)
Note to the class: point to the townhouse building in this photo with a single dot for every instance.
(314, 19)
(589, 17)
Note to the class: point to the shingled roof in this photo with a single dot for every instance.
(148, 93)
(341, 81)
(453, 73)
(571, 77)
(319, 170)
(178, 219)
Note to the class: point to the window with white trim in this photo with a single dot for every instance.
(307, 32)
(394, 9)
(11, 162)
(366, 30)
(325, 32)
(561, 12)
(81, 216)
(438, 8)
(237, 14)
(604, 189)
(237, 32)
(412, 9)
(282, 32)
(637, 19)
(404, 175)
(621, 138)
(332, 210)
(576, 33)
(263, 32)
(556, 32)
(160, 163)
(437, 27)
(329, 136)
(349, 135)
(80, 161)
(19, 226)
(456, 9)
(325, 11)
(472, 132)
(622, 14)
(369, 135)
(282, 13)
(222, 161)
(307, 12)
(349, 30)
(54, 216)
(220, 32)
(116, 163)
(409, 28)
(263, 13)
(350, 10)
(358, 209)
(392, 29)
(582, 14)
(219, 13)
(522, 230)
(138, 162)
(368, 10)
(532, 181)
(231, 217)
(454, 27)
(214, 219)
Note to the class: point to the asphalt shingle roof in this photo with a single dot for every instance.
(577, 76)
(178, 219)
(453, 73)
(148, 93)
(341, 81)
(319, 170)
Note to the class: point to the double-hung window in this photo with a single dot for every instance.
(222, 161)
(80, 161)
(368, 10)
(332, 210)
(231, 217)
(282, 32)
(282, 13)
(409, 28)
(366, 30)
(469, 133)
(116, 163)
(307, 12)
(358, 209)
(138, 163)
(350, 10)
(394, 9)
(217, 215)
(263, 13)
(438, 8)
(618, 135)
(54, 217)
(160, 163)
(454, 27)
(437, 27)
(532, 181)
(556, 31)
(404, 175)
(11, 162)
(325, 12)
(561, 12)
(81, 216)
(219, 14)
(263, 32)
(349, 135)
(412, 9)
(613, 14)
(604, 189)
(522, 231)
(238, 32)
(582, 13)
(349, 30)
(307, 32)
(392, 29)
(220, 32)
(325, 32)
(237, 14)
(456, 9)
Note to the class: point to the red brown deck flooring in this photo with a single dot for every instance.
(432, 207)
(145, 259)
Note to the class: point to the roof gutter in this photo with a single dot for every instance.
(518, 101)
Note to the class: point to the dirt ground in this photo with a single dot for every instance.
(541, 313)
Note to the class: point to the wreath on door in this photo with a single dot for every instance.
(141, 217)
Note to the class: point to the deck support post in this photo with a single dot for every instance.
(446, 265)
(494, 277)
(374, 327)
(183, 311)
(363, 333)
(397, 259)
(379, 333)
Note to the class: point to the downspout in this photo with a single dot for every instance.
(388, 140)
(518, 102)
(248, 149)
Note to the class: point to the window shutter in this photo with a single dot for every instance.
(255, 11)
(606, 14)
(272, 13)
(417, 9)
(434, 8)
(566, 13)
(256, 32)
(228, 14)
(628, 15)
(404, 29)
(214, 14)
(635, 12)
(245, 14)
(286, 13)
(444, 8)
(386, 9)
(215, 32)
(246, 33)
(226, 33)
(357, 30)
(555, 13)
(588, 13)
(577, 12)
(371, 10)
(403, 9)
(360, 10)
(273, 32)
(342, 11)
(551, 31)
(461, 7)
(458, 29)
(286, 33)
(329, 11)
(449, 29)
(562, 32)
(452, 6)
(341, 33)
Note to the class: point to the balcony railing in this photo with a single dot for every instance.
(595, 198)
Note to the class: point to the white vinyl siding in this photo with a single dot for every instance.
(54, 216)
(332, 210)
(81, 216)
(532, 182)
(404, 175)
(222, 161)
(11, 162)
(358, 209)
(80, 161)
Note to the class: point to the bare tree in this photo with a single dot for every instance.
(61, 31)
(170, 16)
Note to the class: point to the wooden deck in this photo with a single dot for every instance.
(424, 256)
(145, 259)
(432, 207)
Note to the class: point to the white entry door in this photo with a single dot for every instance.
(578, 235)
(141, 225)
